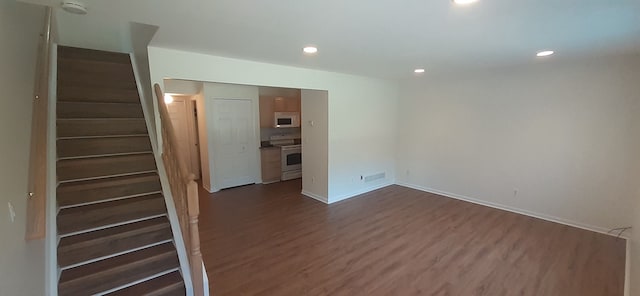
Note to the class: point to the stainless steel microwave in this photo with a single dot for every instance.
(286, 119)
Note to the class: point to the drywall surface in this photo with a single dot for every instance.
(556, 139)
(314, 145)
(140, 36)
(361, 110)
(22, 264)
(182, 87)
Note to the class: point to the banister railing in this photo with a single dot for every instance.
(184, 191)
(37, 183)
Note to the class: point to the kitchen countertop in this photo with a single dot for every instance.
(266, 144)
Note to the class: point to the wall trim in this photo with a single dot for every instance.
(361, 191)
(627, 270)
(315, 196)
(205, 280)
(510, 209)
(52, 272)
(207, 188)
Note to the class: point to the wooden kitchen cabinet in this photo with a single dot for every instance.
(291, 105)
(271, 164)
(269, 105)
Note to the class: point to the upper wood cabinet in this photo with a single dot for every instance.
(269, 105)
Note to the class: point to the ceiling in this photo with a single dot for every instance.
(382, 38)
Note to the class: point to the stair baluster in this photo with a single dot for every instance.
(184, 191)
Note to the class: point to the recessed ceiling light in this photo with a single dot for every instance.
(168, 99)
(464, 2)
(545, 53)
(418, 71)
(310, 50)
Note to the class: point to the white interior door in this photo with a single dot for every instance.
(182, 118)
(235, 147)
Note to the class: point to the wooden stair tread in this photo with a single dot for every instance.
(73, 193)
(90, 127)
(104, 166)
(168, 284)
(94, 73)
(117, 271)
(91, 245)
(137, 227)
(102, 146)
(92, 216)
(77, 93)
(68, 52)
(99, 110)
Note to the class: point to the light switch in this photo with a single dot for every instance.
(310, 122)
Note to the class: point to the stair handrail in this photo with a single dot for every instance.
(37, 178)
(184, 190)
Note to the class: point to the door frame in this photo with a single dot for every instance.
(193, 163)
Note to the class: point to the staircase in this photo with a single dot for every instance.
(114, 234)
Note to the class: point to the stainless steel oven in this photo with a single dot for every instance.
(291, 162)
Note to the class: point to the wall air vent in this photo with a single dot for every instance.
(372, 178)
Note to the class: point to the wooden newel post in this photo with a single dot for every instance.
(194, 253)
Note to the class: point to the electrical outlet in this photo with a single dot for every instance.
(12, 212)
(515, 192)
(313, 180)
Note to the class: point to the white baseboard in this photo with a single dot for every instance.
(315, 196)
(207, 188)
(361, 191)
(205, 280)
(510, 209)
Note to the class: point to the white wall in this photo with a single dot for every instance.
(562, 133)
(362, 116)
(140, 36)
(230, 91)
(22, 264)
(182, 87)
(94, 31)
(314, 147)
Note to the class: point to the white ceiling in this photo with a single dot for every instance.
(385, 38)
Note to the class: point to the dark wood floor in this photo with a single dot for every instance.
(270, 240)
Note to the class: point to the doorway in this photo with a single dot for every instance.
(182, 113)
